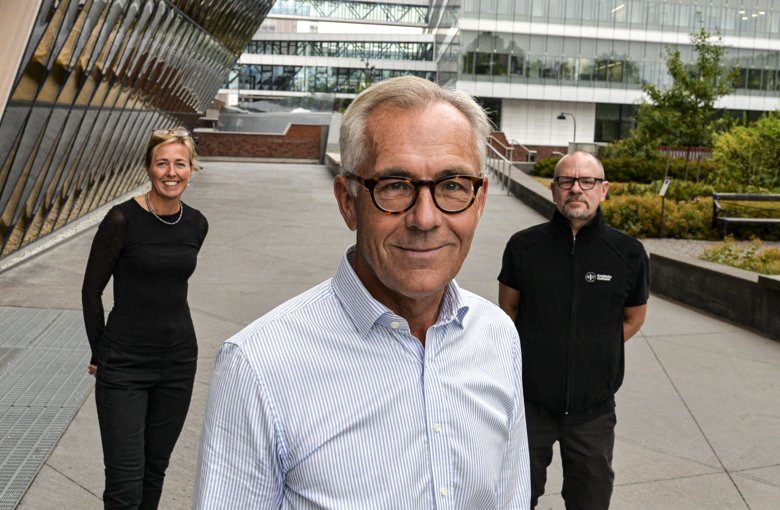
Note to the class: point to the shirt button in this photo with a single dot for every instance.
(395, 324)
(437, 428)
(443, 491)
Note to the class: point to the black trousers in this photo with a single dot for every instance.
(142, 402)
(586, 456)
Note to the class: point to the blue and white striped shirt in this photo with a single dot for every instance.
(329, 402)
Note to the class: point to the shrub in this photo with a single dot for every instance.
(634, 206)
(640, 216)
(745, 256)
(748, 155)
(546, 167)
(641, 170)
(677, 190)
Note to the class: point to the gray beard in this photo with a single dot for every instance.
(576, 214)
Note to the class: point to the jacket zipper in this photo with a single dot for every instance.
(569, 352)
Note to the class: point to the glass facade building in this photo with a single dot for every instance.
(527, 60)
(333, 47)
(88, 82)
(592, 57)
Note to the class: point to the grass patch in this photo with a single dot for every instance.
(750, 256)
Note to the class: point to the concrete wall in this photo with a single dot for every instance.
(739, 296)
(524, 187)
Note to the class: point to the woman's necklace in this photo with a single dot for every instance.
(149, 206)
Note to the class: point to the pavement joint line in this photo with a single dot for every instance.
(744, 473)
(762, 361)
(670, 479)
(666, 454)
(219, 317)
(698, 425)
(72, 480)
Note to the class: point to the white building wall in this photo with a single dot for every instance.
(535, 122)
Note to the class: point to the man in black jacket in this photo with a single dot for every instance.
(577, 289)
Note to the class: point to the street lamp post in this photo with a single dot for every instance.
(562, 116)
(369, 72)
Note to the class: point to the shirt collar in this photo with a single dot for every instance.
(365, 311)
(593, 229)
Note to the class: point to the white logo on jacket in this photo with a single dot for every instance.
(591, 277)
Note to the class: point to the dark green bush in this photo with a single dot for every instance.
(545, 167)
(677, 190)
(641, 170)
(634, 206)
(640, 216)
(748, 155)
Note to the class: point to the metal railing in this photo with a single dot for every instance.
(531, 153)
(499, 166)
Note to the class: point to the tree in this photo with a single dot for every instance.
(748, 155)
(684, 114)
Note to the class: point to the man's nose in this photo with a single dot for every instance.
(424, 215)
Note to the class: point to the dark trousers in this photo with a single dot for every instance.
(142, 402)
(586, 455)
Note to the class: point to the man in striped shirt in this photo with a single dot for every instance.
(387, 386)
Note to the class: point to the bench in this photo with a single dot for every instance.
(718, 211)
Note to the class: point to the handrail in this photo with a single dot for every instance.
(509, 150)
(526, 149)
(500, 166)
(495, 139)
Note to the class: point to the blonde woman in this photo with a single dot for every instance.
(145, 355)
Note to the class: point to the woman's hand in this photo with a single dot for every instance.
(92, 370)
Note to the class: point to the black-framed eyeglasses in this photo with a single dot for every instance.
(181, 133)
(395, 195)
(586, 183)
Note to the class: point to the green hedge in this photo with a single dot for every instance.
(634, 206)
(641, 170)
(640, 216)
(678, 190)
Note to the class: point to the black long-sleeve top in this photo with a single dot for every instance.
(151, 263)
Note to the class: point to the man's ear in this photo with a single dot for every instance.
(345, 200)
(604, 190)
(482, 197)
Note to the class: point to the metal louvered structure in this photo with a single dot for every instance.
(94, 78)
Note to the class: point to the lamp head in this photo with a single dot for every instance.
(562, 116)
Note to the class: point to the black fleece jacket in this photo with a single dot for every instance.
(572, 294)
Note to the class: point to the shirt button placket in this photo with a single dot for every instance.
(437, 415)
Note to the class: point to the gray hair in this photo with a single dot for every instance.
(405, 93)
(561, 161)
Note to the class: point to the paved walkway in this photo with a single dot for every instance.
(699, 413)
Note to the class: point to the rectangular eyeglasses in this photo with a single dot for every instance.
(586, 183)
